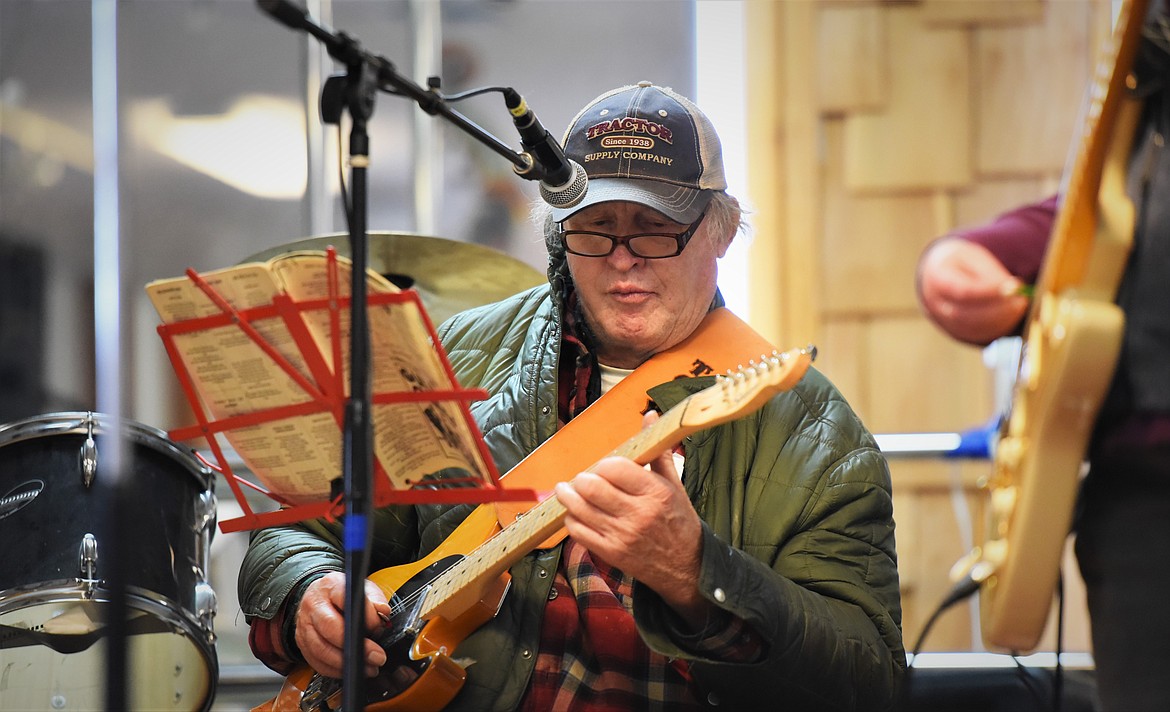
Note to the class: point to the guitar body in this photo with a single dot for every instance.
(1037, 467)
(1072, 339)
(420, 675)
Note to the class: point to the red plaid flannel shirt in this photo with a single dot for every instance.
(591, 656)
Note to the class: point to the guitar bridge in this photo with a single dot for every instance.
(412, 623)
(322, 694)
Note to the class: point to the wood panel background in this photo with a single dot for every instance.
(876, 126)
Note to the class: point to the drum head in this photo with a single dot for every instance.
(53, 657)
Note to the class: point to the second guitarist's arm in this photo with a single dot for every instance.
(972, 282)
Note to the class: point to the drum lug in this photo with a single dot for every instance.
(88, 457)
(87, 556)
(204, 523)
(205, 511)
(206, 606)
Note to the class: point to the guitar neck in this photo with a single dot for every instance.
(1068, 255)
(496, 555)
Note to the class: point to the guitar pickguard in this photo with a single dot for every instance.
(404, 666)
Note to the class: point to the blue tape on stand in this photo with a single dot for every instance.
(355, 532)
(977, 442)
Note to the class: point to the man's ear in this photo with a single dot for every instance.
(732, 228)
(725, 244)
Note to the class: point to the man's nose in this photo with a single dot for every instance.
(622, 258)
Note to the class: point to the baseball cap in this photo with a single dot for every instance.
(646, 144)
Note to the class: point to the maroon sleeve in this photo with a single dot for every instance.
(265, 640)
(1017, 238)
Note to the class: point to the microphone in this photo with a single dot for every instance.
(563, 182)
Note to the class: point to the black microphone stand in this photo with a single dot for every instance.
(355, 91)
(357, 94)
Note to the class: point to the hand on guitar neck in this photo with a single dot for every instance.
(643, 525)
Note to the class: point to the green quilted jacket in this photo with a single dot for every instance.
(798, 533)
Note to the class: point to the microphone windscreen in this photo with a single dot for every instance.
(569, 194)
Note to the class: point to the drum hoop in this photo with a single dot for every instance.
(69, 422)
(14, 599)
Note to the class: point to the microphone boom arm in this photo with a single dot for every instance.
(346, 50)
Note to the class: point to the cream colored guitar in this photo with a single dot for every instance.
(1071, 342)
(439, 600)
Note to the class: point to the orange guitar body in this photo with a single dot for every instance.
(442, 677)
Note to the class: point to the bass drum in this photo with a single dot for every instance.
(54, 594)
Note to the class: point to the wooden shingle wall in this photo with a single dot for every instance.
(874, 127)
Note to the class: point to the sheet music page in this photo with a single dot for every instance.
(298, 457)
(410, 439)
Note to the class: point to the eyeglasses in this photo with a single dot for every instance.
(647, 245)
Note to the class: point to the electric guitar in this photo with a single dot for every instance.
(439, 600)
(1072, 338)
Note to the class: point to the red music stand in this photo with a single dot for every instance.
(326, 393)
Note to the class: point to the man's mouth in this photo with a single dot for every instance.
(629, 295)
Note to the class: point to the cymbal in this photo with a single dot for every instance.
(448, 275)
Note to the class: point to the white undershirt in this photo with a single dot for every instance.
(610, 377)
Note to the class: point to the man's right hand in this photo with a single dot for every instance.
(966, 291)
(320, 627)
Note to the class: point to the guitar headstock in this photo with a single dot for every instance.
(740, 392)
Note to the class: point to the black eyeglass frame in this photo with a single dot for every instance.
(681, 239)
